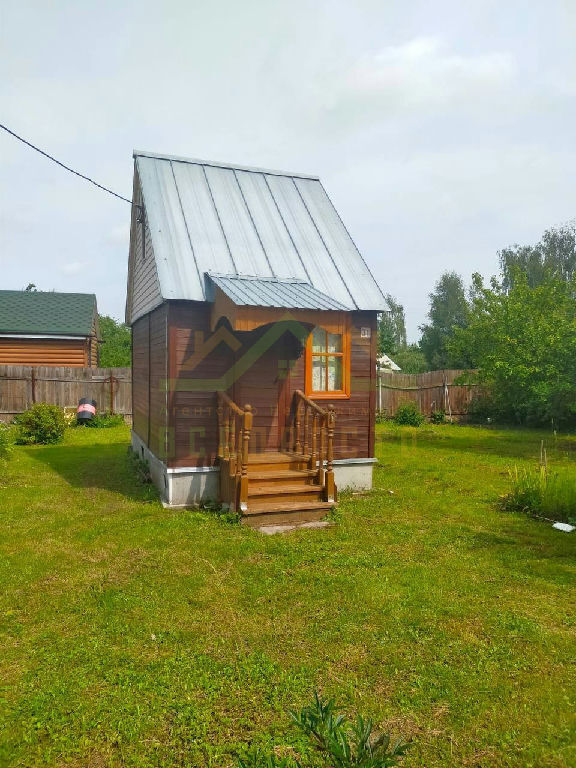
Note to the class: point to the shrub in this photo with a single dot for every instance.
(541, 493)
(438, 417)
(105, 420)
(42, 424)
(408, 415)
(6, 440)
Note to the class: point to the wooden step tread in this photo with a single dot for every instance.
(282, 490)
(281, 474)
(273, 457)
(262, 507)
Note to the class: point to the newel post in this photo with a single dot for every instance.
(297, 443)
(330, 486)
(247, 429)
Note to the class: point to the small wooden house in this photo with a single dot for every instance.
(48, 328)
(253, 322)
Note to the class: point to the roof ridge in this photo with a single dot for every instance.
(217, 164)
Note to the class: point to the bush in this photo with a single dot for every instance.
(408, 415)
(42, 424)
(541, 493)
(438, 417)
(105, 420)
(6, 440)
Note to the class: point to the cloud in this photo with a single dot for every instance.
(73, 267)
(421, 74)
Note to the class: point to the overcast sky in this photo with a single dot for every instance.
(442, 130)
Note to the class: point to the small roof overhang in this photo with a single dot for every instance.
(249, 302)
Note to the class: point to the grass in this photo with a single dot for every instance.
(141, 637)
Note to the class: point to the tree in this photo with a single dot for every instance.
(523, 340)
(391, 328)
(448, 311)
(553, 256)
(30, 288)
(116, 349)
(411, 359)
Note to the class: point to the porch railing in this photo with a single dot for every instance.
(312, 436)
(234, 430)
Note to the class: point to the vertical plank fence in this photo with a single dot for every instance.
(431, 391)
(23, 385)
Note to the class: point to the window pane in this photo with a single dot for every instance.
(334, 342)
(334, 374)
(318, 340)
(319, 374)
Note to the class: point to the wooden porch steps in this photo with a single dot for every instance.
(282, 489)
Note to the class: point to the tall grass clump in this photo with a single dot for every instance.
(542, 493)
(408, 415)
(6, 440)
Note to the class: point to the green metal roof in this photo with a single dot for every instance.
(44, 312)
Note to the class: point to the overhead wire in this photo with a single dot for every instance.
(66, 167)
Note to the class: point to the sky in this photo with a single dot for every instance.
(442, 131)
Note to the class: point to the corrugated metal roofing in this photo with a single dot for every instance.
(46, 312)
(272, 292)
(214, 217)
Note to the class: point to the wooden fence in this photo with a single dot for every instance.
(23, 385)
(431, 391)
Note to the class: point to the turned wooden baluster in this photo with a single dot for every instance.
(220, 426)
(322, 451)
(305, 449)
(330, 487)
(297, 443)
(247, 429)
(227, 414)
(314, 452)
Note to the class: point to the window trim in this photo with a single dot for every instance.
(339, 394)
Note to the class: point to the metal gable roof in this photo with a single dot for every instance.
(218, 218)
(272, 292)
(47, 312)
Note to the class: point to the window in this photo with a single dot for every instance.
(327, 363)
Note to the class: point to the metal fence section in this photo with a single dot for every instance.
(23, 385)
(431, 391)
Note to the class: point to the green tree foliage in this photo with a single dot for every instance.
(391, 328)
(553, 256)
(116, 349)
(411, 359)
(448, 311)
(523, 340)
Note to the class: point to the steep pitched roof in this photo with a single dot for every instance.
(208, 217)
(43, 312)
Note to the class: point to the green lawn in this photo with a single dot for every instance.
(137, 636)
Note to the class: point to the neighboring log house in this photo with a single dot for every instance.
(254, 339)
(48, 328)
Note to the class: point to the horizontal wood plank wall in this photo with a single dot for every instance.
(354, 416)
(140, 376)
(145, 286)
(62, 352)
(158, 381)
(21, 386)
(198, 363)
(427, 390)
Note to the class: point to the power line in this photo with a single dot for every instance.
(67, 168)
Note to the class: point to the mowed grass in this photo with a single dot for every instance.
(137, 636)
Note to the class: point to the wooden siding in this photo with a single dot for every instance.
(143, 283)
(67, 352)
(354, 437)
(21, 386)
(140, 376)
(199, 360)
(202, 361)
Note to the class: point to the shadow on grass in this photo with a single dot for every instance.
(107, 466)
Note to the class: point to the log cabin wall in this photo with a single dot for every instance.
(61, 352)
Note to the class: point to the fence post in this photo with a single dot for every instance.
(33, 383)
